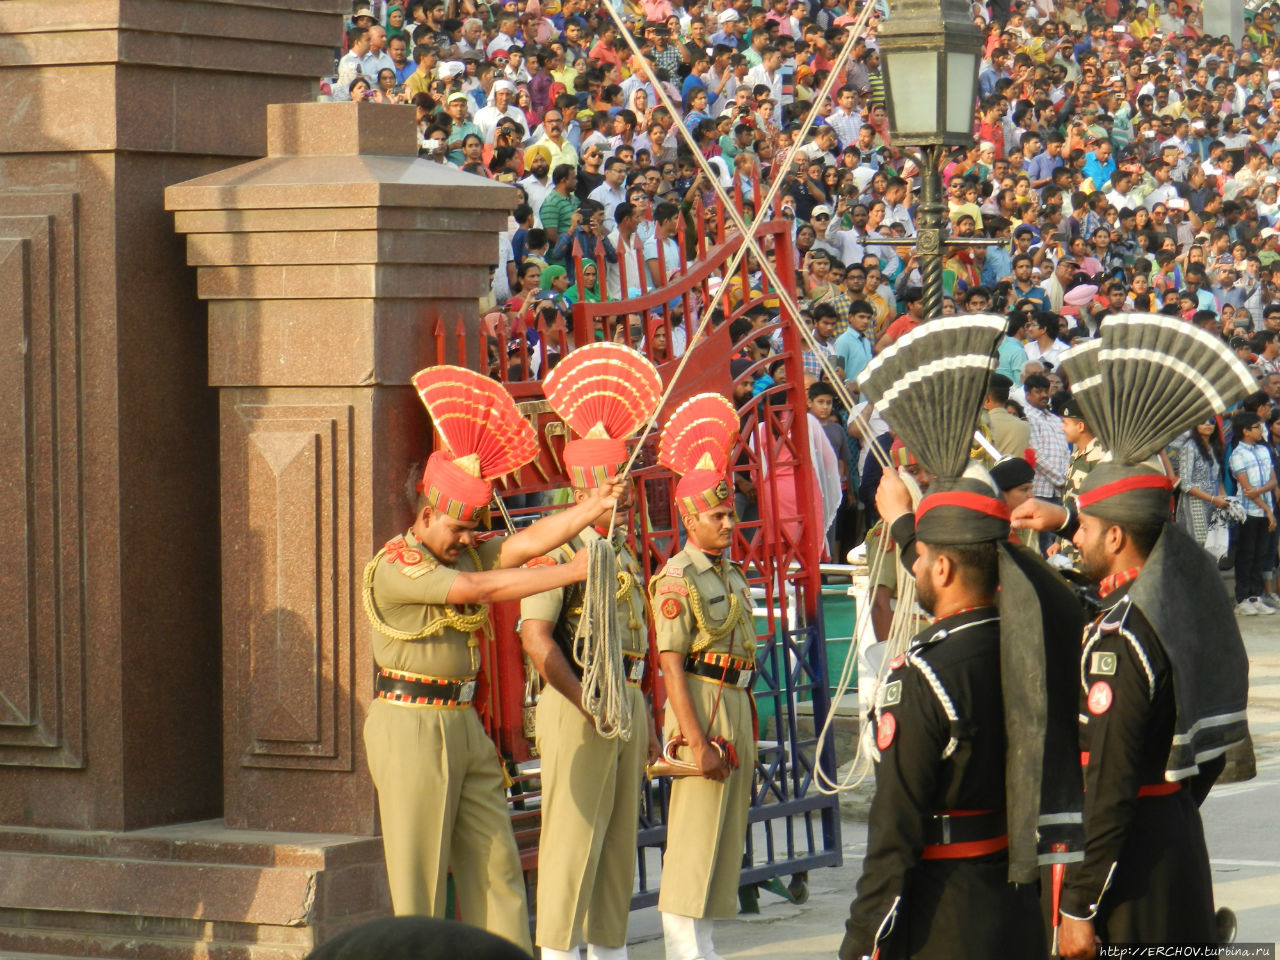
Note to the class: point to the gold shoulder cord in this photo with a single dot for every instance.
(712, 634)
(467, 623)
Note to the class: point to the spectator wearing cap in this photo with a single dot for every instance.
(729, 34)
(456, 107)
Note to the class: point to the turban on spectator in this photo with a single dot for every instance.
(532, 153)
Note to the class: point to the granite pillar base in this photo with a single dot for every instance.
(181, 892)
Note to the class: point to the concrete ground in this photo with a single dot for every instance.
(1244, 847)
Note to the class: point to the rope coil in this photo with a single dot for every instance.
(597, 647)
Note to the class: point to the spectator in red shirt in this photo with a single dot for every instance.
(912, 300)
(989, 126)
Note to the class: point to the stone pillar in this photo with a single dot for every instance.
(326, 266)
(1224, 18)
(109, 649)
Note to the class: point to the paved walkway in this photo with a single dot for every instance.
(1240, 822)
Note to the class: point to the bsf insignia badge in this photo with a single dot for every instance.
(1103, 663)
(670, 608)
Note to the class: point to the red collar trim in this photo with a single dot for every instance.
(979, 503)
(1143, 481)
(956, 613)
(1113, 582)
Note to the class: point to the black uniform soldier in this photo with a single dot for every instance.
(975, 723)
(1163, 672)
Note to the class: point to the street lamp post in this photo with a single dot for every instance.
(931, 52)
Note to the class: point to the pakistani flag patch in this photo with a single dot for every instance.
(892, 693)
(1103, 664)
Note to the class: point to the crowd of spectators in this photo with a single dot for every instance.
(1126, 161)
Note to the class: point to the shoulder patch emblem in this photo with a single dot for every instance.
(399, 551)
(1102, 663)
(1099, 698)
(541, 562)
(671, 608)
(897, 661)
(892, 693)
(411, 562)
(886, 727)
(672, 587)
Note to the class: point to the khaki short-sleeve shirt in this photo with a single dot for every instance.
(690, 577)
(409, 590)
(632, 623)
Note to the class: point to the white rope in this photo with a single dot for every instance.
(749, 240)
(901, 629)
(597, 646)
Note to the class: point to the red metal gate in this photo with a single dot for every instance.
(779, 546)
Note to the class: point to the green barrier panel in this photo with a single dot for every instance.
(840, 613)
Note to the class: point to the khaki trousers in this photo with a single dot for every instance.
(707, 819)
(590, 814)
(443, 807)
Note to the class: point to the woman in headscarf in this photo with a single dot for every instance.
(537, 27)
(638, 103)
(554, 282)
(590, 282)
(395, 26)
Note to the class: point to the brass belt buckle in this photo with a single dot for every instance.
(745, 676)
(466, 691)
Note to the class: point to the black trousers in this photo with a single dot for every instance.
(1251, 557)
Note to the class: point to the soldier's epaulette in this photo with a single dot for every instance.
(1113, 618)
(410, 561)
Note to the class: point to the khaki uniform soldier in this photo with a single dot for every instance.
(706, 645)
(591, 784)
(440, 781)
